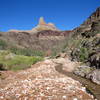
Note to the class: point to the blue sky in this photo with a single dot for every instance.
(24, 14)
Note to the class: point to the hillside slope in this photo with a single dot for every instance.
(84, 44)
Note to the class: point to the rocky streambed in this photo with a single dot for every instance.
(44, 81)
(52, 79)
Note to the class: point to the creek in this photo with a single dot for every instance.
(91, 87)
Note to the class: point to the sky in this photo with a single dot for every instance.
(65, 14)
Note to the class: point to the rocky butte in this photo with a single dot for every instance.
(42, 25)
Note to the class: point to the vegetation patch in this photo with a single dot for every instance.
(26, 52)
(10, 61)
(3, 44)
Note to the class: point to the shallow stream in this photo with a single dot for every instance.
(92, 88)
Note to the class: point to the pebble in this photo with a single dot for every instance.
(75, 99)
(64, 97)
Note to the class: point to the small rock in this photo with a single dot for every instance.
(64, 97)
(75, 99)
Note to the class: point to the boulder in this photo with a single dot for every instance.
(94, 76)
(61, 55)
(94, 59)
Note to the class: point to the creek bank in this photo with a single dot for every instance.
(90, 73)
(91, 87)
(87, 76)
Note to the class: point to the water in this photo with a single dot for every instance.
(92, 88)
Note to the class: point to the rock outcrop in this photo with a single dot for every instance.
(94, 59)
(91, 24)
(41, 21)
(95, 16)
(94, 76)
(82, 71)
(44, 26)
(89, 73)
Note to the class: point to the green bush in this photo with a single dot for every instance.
(2, 67)
(3, 45)
(26, 52)
(83, 54)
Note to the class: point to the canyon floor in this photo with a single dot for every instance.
(43, 81)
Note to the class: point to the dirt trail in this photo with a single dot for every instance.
(42, 82)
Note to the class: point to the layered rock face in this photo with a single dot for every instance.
(38, 41)
(95, 16)
(92, 23)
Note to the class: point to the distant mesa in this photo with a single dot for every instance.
(42, 25)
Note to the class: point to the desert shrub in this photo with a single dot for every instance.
(54, 53)
(38, 53)
(3, 44)
(2, 67)
(80, 54)
(83, 54)
(72, 43)
(20, 51)
(26, 52)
